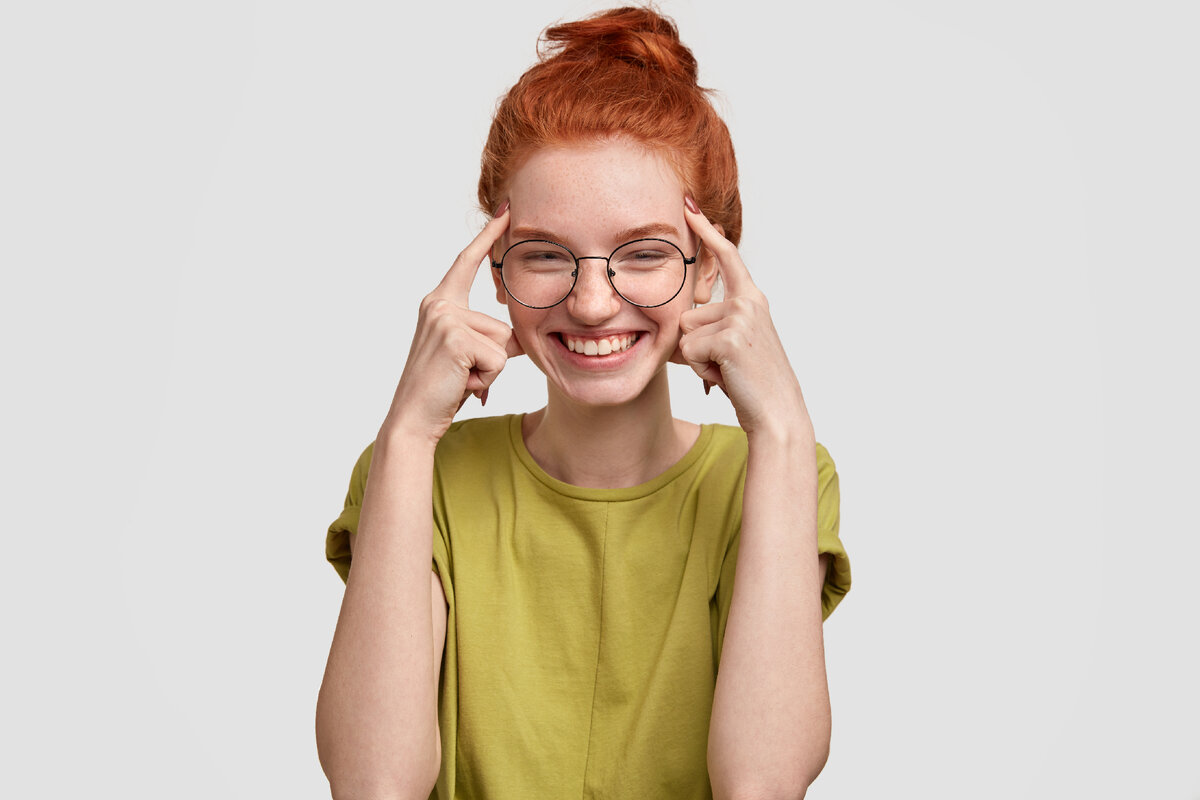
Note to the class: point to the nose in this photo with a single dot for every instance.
(593, 299)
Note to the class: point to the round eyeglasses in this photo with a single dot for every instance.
(538, 273)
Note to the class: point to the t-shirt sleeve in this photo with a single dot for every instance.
(837, 577)
(337, 538)
(829, 502)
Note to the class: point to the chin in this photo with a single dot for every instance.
(602, 396)
(608, 391)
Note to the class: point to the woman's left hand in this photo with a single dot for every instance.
(734, 345)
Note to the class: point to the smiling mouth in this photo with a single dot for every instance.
(599, 347)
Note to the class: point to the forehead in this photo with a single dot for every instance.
(611, 185)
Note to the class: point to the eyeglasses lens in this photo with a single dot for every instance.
(647, 272)
(538, 274)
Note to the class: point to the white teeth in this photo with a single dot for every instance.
(600, 347)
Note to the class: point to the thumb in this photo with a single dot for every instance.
(677, 357)
(512, 347)
(709, 371)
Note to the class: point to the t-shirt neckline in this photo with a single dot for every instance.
(517, 441)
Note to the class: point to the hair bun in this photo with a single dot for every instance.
(636, 36)
(620, 73)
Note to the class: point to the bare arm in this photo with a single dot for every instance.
(377, 729)
(770, 729)
(377, 725)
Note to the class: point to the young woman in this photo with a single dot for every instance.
(581, 632)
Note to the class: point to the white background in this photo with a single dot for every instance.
(977, 223)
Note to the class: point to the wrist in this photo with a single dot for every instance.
(406, 436)
(786, 431)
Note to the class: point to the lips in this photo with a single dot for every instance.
(599, 346)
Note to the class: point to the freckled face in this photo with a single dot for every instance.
(596, 348)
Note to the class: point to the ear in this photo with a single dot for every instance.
(501, 295)
(707, 272)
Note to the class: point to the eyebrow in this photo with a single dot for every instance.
(622, 236)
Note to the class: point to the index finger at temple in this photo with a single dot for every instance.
(729, 262)
(457, 283)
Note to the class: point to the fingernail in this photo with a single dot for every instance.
(707, 388)
(503, 207)
(691, 204)
(483, 397)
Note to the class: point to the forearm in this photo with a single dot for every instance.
(769, 735)
(377, 733)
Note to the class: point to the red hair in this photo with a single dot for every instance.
(622, 72)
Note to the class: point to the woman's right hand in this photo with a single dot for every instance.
(456, 352)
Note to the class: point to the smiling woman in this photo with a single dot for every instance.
(593, 197)
(582, 631)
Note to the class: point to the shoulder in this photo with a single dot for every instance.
(727, 447)
(475, 455)
(462, 444)
(719, 473)
(469, 439)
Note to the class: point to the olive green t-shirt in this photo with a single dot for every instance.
(585, 625)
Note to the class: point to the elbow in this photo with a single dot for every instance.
(775, 789)
(361, 792)
(787, 779)
(810, 762)
(414, 785)
(375, 793)
(816, 757)
(354, 774)
(813, 754)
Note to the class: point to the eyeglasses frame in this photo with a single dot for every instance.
(608, 270)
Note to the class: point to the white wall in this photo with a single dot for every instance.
(978, 222)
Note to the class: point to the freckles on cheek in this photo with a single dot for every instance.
(524, 338)
(525, 332)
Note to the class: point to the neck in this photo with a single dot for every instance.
(608, 447)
